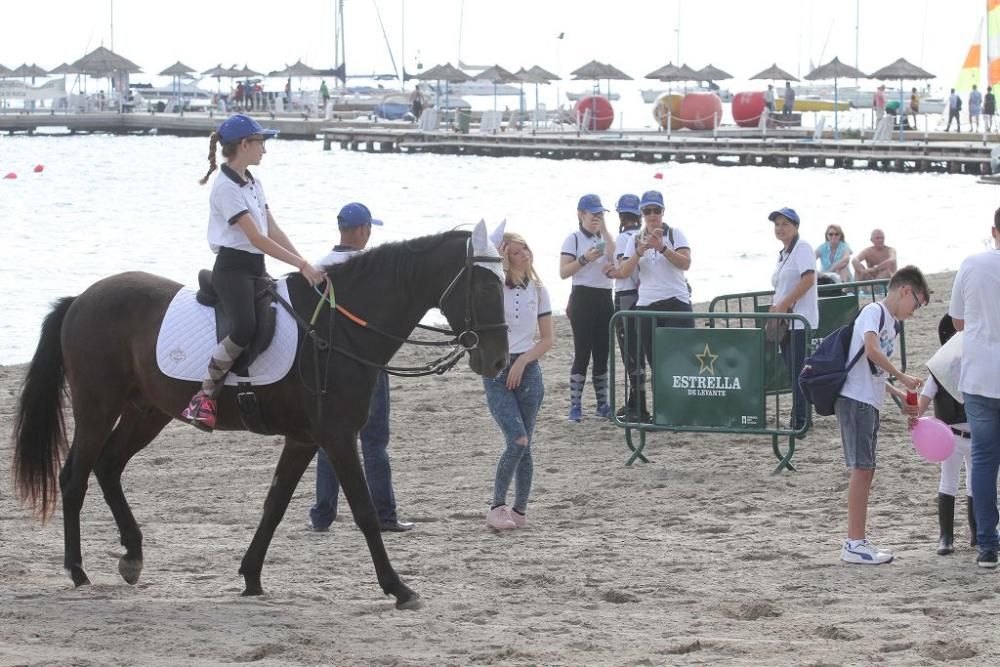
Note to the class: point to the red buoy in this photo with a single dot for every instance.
(658, 175)
(747, 108)
(39, 168)
(597, 111)
(10, 175)
(701, 111)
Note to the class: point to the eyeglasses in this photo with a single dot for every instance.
(252, 139)
(833, 233)
(917, 299)
(652, 210)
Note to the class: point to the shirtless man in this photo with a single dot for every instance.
(876, 261)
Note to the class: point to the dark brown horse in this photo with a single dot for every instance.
(103, 341)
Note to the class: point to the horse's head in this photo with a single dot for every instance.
(473, 305)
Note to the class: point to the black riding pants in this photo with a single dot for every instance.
(233, 278)
(590, 313)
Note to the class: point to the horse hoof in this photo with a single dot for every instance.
(251, 591)
(411, 604)
(130, 569)
(78, 576)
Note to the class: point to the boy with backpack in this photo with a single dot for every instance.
(857, 407)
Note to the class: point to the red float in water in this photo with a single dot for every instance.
(39, 168)
(747, 108)
(658, 175)
(597, 110)
(701, 111)
(10, 175)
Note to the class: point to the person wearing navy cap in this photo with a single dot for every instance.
(794, 281)
(588, 258)
(626, 294)
(355, 224)
(241, 230)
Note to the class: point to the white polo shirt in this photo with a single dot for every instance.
(231, 197)
(523, 305)
(974, 299)
(658, 278)
(592, 274)
(621, 243)
(339, 255)
(787, 274)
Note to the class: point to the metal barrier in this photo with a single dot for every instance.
(722, 376)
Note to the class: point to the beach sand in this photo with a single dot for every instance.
(701, 556)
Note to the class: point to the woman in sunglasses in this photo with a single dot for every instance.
(662, 255)
(241, 230)
(834, 254)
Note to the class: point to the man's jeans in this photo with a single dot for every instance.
(374, 444)
(983, 414)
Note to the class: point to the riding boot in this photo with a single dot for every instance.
(973, 529)
(222, 360)
(946, 520)
(601, 393)
(576, 383)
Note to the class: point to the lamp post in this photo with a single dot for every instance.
(559, 39)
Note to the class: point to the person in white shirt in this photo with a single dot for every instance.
(626, 294)
(860, 401)
(241, 230)
(794, 282)
(975, 309)
(588, 258)
(515, 395)
(354, 223)
(661, 255)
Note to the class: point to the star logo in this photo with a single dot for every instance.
(707, 361)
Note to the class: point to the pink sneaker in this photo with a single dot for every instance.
(200, 413)
(520, 521)
(499, 518)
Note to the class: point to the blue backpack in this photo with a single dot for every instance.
(825, 371)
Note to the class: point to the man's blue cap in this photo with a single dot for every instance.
(652, 198)
(628, 204)
(240, 126)
(355, 215)
(591, 204)
(788, 213)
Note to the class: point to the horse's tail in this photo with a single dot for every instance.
(39, 426)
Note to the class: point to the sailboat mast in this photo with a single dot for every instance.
(857, 38)
(402, 43)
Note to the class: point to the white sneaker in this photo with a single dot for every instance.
(499, 518)
(865, 553)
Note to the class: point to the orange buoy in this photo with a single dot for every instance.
(597, 110)
(701, 111)
(10, 176)
(747, 108)
(39, 168)
(665, 102)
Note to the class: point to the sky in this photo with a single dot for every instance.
(636, 36)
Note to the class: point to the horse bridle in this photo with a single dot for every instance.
(469, 338)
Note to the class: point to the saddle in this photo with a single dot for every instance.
(266, 314)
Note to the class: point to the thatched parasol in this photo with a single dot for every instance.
(834, 70)
(902, 69)
(773, 73)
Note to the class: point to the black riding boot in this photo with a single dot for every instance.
(946, 519)
(971, 510)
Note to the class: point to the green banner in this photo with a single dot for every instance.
(708, 377)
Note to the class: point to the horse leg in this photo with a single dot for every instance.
(343, 454)
(294, 460)
(136, 429)
(92, 428)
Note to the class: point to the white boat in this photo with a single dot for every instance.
(573, 97)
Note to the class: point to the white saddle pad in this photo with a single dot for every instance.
(187, 340)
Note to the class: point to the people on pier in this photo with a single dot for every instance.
(989, 108)
(241, 230)
(975, 108)
(877, 260)
(769, 98)
(914, 105)
(879, 103)
(588, 258)
(789, 100)
(954, 111)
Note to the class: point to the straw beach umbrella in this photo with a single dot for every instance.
(447, 73)
(772, 73)
(495, 75)
(711, 73)
(902, 69)
(102, 62)
(835, 70)
(596, 71)
(176, 71)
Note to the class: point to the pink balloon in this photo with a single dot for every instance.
(932, 439)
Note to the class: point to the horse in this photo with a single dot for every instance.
(102, 344)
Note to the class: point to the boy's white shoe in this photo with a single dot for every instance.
(864, 553)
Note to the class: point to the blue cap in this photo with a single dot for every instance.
(652, 198)
(591, 204)
(355, 215)
(240, 126)
(788, 213)
(628, 204)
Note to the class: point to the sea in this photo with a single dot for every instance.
(88, 206)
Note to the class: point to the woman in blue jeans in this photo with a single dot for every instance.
(515, 395)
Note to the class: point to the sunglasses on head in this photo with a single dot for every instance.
(652, 210)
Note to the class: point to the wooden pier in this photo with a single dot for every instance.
(912, 155)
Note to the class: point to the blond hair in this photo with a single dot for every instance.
(513, 237)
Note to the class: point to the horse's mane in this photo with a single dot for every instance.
(402, 257)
